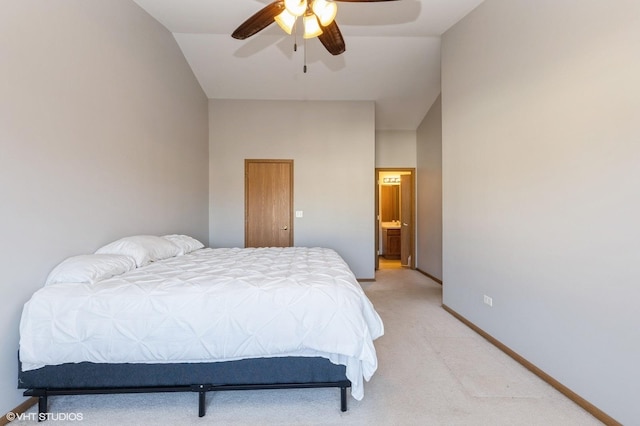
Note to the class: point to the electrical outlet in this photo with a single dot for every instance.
(488, 300)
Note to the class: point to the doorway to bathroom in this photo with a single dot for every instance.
(395, 207)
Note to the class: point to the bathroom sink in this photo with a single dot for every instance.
(391, 225)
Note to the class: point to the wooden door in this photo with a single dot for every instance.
(268, 203)
(406, 220)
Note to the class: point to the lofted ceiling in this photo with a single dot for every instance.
(392, 54)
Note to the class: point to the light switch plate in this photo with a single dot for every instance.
(298, 213)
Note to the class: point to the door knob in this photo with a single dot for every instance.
(284, 228)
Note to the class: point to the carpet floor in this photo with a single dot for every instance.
(433, 370)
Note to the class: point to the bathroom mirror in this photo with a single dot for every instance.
(389, 203)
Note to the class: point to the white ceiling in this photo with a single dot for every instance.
(392, 56)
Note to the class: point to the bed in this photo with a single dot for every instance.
(165, 314)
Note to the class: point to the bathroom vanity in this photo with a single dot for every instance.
(391, 242)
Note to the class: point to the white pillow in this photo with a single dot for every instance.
(143, 248)
(90, 268)
(186, 243)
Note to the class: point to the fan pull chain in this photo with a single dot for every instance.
(304, 68)
(295, 45)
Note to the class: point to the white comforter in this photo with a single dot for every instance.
(210, 305)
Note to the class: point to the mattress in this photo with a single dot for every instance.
(210, 305)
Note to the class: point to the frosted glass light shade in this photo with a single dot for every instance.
(311, 26)
(286, 21)
(325, 11)
(296, 7)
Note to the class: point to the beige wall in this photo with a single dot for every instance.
(332, 145)
(429, 184)
(541, 173)
(395, 148)
(103, 133)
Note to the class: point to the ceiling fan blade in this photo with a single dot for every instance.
(259, 21)
(331, 39)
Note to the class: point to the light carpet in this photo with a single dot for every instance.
(433, 370)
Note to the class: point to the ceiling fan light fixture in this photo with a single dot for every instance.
(325, 11)
(286, 21)
(296, 7)
(318, 19)
(311, 26)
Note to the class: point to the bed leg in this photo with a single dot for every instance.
(42, 407)
(201, 403)
(343, 399)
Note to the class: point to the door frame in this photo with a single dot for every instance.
(376, 213)
(246, 195)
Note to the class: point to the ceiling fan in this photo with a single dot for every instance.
(318, 19)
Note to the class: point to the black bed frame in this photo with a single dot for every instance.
(247, 374)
